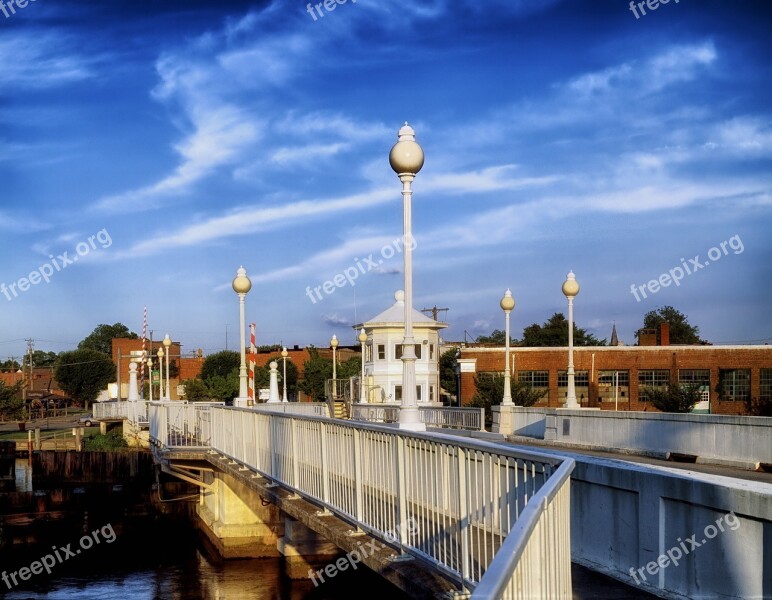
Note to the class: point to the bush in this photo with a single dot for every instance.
(674, 398)
(759, 407)
(111, 442)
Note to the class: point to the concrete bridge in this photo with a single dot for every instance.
(455, 514)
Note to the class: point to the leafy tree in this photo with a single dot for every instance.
(44, 359)
(223, 389)
(490, 391)
(101, 339)
(11, 404)
(554, 332)
(497, 337)
(220, 363)
(674, 398)
(681, 332)
(84, 373)
(317, 370)
(263, 375)
(195, 390)
(759, 407)
(448, 371)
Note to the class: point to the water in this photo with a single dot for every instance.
(169, 562)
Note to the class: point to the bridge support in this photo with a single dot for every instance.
(236, 520)
(304, 550)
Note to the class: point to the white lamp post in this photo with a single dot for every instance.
(284, 354)
(167, 345)
(242, 285)
(160, 355)
(334, 345)
(406, 159)
(570, 290)
(362, 337)
(507, 304)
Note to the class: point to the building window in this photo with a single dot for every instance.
(398, 351)
(398, 393)
(369, 353)
(431, 351)
(581, 379)
(765, 389)
(657, 379)
(735, 384)
(431, 393)
(536, 379)
(699, 377)
(381, 352)
(613, 386)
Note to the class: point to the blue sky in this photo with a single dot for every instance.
(200, 136)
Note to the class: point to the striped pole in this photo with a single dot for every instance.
(252, 352)
(142, 365)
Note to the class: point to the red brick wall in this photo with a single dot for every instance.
(629, 358)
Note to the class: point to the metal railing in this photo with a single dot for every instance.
(450, 501)
(339, 389)
(181, 424)
(320, 409)
(110, 410)
(450, 418)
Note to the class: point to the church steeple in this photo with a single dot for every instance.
(614, 338)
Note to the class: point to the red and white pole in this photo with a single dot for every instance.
(252, 352)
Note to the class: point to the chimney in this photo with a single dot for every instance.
(664, 333)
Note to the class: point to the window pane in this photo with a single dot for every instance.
(535, 378)
(651, 378)
(735, 384)
(381, 352)
(613, 386)
(699, 377)
(766, 384)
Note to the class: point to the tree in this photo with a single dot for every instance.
(44, 359)
(681, 332)
(101, 339)
(11, 404)
(448, 371)
(196, 390)
(84, 373)
(220, 363)
(674, 398)
(490, 391)
(223, 389)
(497, 337)
(263, 375)
(554, 332)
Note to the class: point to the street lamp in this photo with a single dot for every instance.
(160, 355)
(168, 346)
(242, 285)
(570, 290)
(406, 159)
(362, 337)
(284, 354)
(334, 345)
(507, 304)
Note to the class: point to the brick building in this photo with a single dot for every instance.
(610, 377)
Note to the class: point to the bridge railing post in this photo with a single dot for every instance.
(401, 487)
(295, 453)
(358, 509)
(463, 515)
(325, 467)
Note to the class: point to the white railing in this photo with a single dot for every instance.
(450, 501)
(319, 409)
(181, 424)
(110, 410)
(137, 412)
(451, 418)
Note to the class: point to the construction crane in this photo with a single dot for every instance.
(434, 311)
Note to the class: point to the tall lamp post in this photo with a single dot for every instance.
(168, 346)
(406, 159)
(507, 304)
(284, 354)
(242, 285)
(570, 290)
(362, 337)
(334, 345)
(160, 355)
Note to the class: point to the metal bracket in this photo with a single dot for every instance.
(355, 532)
(324, 513)
(400, 558)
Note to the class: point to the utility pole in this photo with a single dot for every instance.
(434, 311)
(30, 348)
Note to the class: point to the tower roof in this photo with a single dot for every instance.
(395, 316)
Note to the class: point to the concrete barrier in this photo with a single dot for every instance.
(744, 442)
(714, 532)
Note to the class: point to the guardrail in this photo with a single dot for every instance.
(450, 501)
(320, 409)
(110, 410)
(450, 418)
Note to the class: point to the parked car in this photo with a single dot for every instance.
(87, 420)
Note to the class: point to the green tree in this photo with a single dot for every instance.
(195, 390)
(681, 332)
(490, 391)
(220, 363)
(496, 338)
(263, 375)
(11, 404)
(316, 370)
(101, 339)
(554, 332)
(674, 398)
(448, 371)
(223, 389)
(84, 373)
(44, 359)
